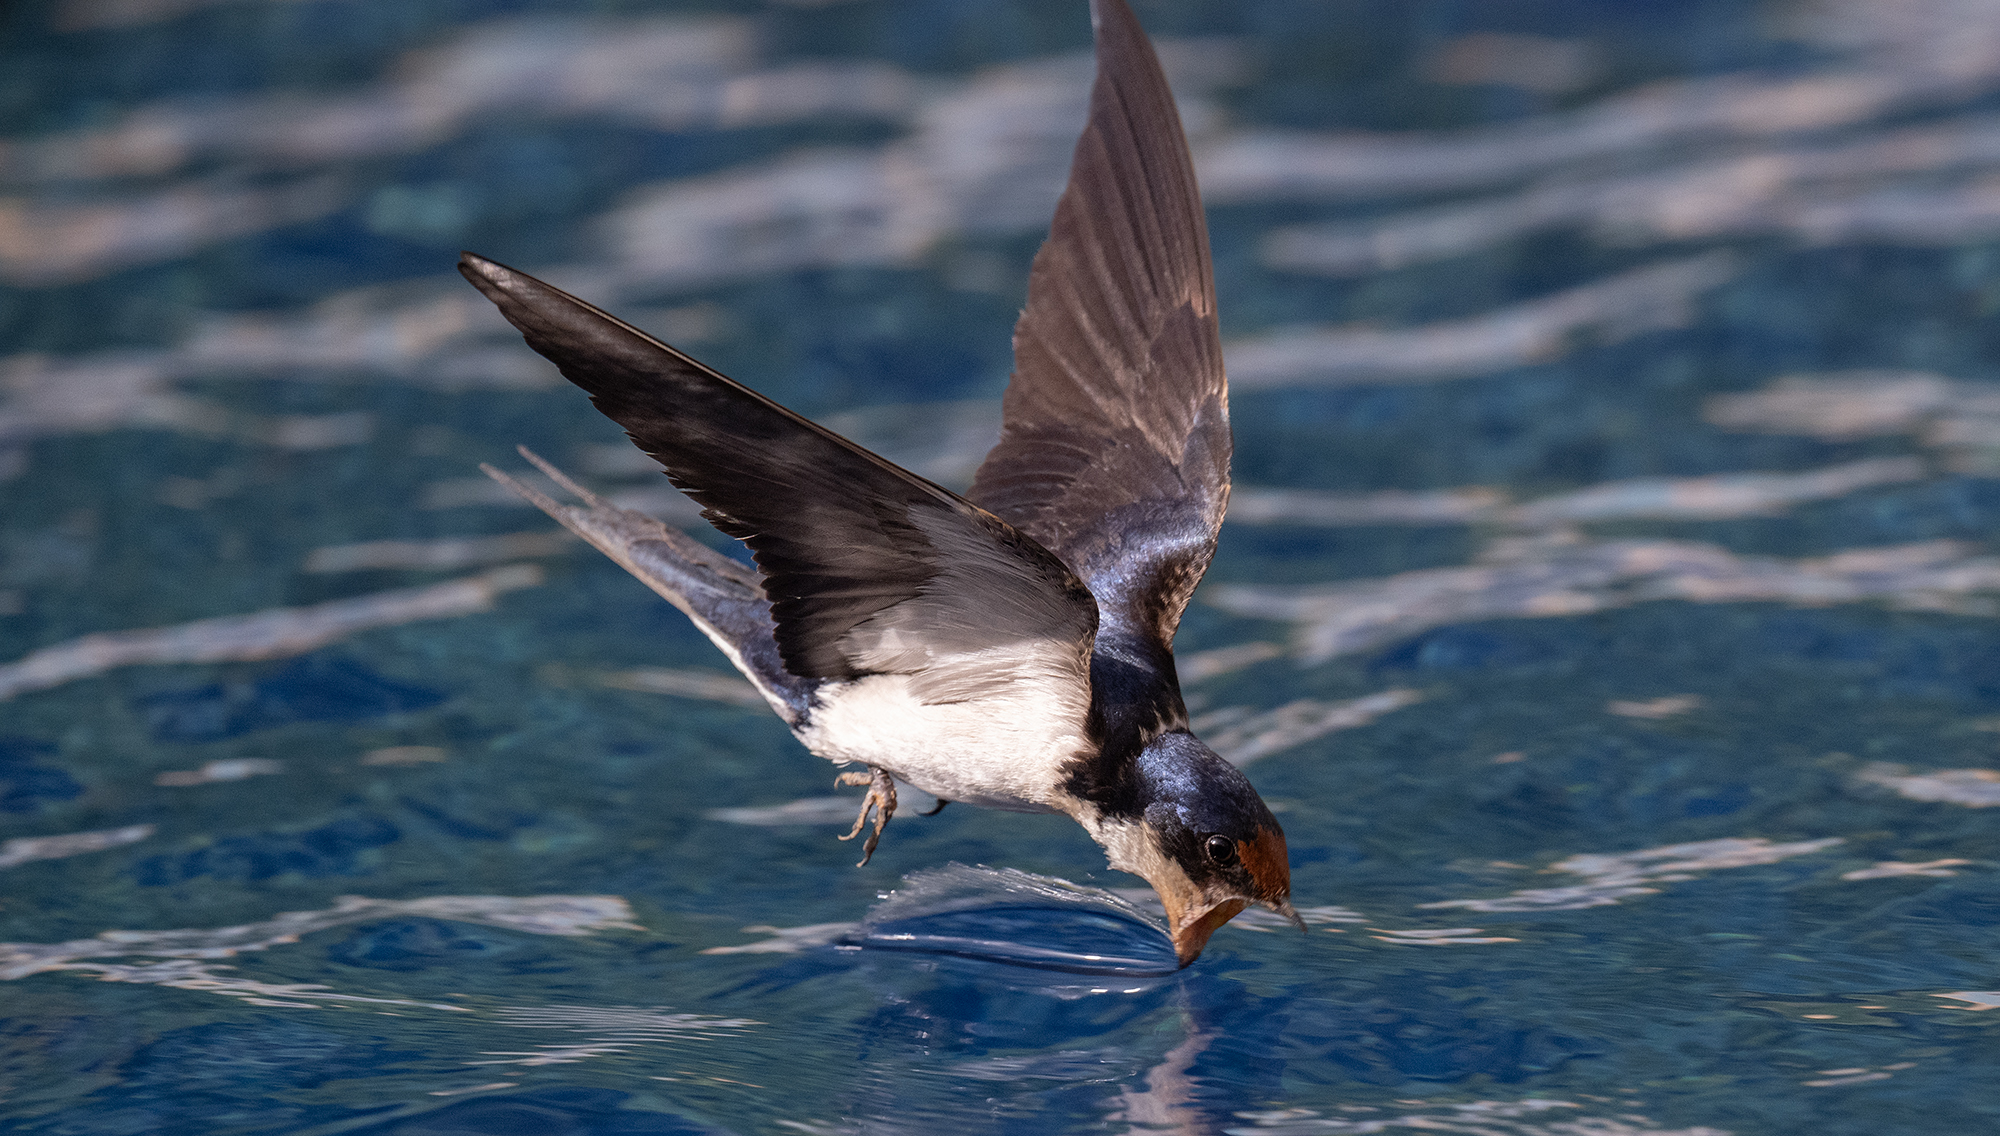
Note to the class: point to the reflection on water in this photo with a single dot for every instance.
(1606, 607)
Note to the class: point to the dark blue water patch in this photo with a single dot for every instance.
(1325, 854)
(469, 809)
(1952, 928)
(1412, 1036)
(1643, 782)
(1956, 508)
(416, 944)
(1535, 803)
(297, 264)
(471, 829)
(141, 307)
(1881, 655)
(1355, 66)
(25, 783)
(1477, 647)
(1235, 1032)
(557, 1111)
(226, 1077)
(1044, 938)
(965, 1008)
(952, 35)
(330, 850)
(1613, 785)
(1916, 660)
(1284, 554)
(1722, 801)
(516, 190)
(1848, 940)
(62, 79)
(835, 338)
(317, 688)
(1858, 306)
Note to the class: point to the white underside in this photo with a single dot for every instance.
(1006, 750)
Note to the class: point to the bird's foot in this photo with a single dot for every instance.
(881, 797)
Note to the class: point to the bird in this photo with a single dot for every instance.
(1011, 648)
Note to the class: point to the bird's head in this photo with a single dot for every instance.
(1200, 834)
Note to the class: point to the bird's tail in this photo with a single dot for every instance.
(723, 597)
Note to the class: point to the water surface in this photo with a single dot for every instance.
(1608, 613)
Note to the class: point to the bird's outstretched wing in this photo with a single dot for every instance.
(724, 598)
(869, 568)
(1115, 449)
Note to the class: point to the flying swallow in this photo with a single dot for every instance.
(1011, 648)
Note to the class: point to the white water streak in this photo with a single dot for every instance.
(441, 554)
(1958, 421)
(1564, 576)
(1822, 194)
(1973, 788)
(1611, 877)
(1655, 297)
(534, 914)
(1242, 735)
(1707, 497)
(24, 849)
(277, 633)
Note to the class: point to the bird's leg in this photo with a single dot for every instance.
(881, 797)
(935, 809)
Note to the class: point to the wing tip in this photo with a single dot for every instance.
(496, 280)
(472, 264)
(1115, 26)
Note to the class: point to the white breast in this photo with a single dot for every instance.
(1005, 748)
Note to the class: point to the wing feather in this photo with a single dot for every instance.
(869, 568)
(1114, 453)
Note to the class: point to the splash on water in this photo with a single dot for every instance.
(1009, 916)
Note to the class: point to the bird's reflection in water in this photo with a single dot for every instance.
(965, 1038)
(1063, 1001)
(1039, 994)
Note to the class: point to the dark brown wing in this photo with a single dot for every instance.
(1115, 448)
(869, 568)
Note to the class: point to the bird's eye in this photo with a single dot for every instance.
(1222, 850)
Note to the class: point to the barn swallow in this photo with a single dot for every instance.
(1011, 648)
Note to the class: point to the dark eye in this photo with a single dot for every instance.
(1221, 849)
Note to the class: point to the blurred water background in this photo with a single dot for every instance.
(1608, 602)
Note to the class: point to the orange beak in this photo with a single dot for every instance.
(1190, 928)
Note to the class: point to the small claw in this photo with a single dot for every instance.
(935, 809)
(881, 797)
(868, 845)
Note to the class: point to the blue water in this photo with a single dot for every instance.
(1663, 861)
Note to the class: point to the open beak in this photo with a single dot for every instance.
(1190, 927)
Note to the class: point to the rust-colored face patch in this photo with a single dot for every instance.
(1263, 856)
